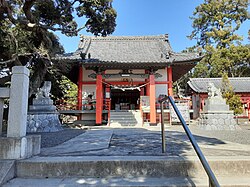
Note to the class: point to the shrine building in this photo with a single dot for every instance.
(114, 72)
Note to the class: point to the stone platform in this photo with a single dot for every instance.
(217, 120)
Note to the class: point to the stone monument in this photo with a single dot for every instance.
(216, 114)
(42, 114)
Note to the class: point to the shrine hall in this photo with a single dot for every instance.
(115, 73)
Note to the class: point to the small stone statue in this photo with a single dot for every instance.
(44, 91)
(213, 91)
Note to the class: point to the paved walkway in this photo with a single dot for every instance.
(106, 141)
(100, 143)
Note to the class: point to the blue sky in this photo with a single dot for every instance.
(152, 17)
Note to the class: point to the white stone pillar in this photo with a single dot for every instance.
(18, 106)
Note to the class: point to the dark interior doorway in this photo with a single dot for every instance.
(124, 100)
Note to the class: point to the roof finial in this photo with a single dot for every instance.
(83, 55)
(166, 37)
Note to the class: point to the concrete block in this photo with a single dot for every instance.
(18, 148)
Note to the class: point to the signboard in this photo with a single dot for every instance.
(183, 107)
(145, 103)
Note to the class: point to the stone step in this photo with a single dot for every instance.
(123, 120)
(126, 112)
(126, 118)
(122, 115)
(126, 181)
(125, 166)
(124, 124)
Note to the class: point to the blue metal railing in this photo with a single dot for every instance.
(212, 179)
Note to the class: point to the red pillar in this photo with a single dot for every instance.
(79, 97)
(147, 91)
(248, 109)
(108, 102)
(141, 94)
(170, 80)
(152, 99)
(99, 99)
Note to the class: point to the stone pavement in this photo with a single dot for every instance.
(106, 141)
(99, 145)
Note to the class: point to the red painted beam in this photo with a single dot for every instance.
(135, 83)
(162, 82)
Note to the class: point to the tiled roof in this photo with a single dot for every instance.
(239, 84)
(129, 49)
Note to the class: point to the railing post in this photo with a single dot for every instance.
(212, 179)
(210, 183)
(163, 130)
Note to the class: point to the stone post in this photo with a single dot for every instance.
(17, 145)
(18, 106)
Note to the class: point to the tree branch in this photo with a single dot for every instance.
(26, 9)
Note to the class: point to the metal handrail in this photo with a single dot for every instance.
(212, 179)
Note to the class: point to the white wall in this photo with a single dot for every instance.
(163, 72)
(161, 89)
(86, 73)
(137, 71)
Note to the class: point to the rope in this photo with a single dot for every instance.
(126, 88)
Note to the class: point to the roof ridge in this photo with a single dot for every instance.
(146, 37)
(214, 78)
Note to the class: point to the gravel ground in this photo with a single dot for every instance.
(241, 136)
(51, 139)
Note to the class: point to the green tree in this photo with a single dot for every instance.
(216, 21)
(215, 24)
(234, 61)
(26, 32)
(232, 99)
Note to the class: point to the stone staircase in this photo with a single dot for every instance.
(167, 171)
(125, 118)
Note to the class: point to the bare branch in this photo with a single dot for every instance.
(26, 8)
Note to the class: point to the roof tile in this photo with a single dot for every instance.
(239, 84)
(129, 49)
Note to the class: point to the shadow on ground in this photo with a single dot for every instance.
(129, 141)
